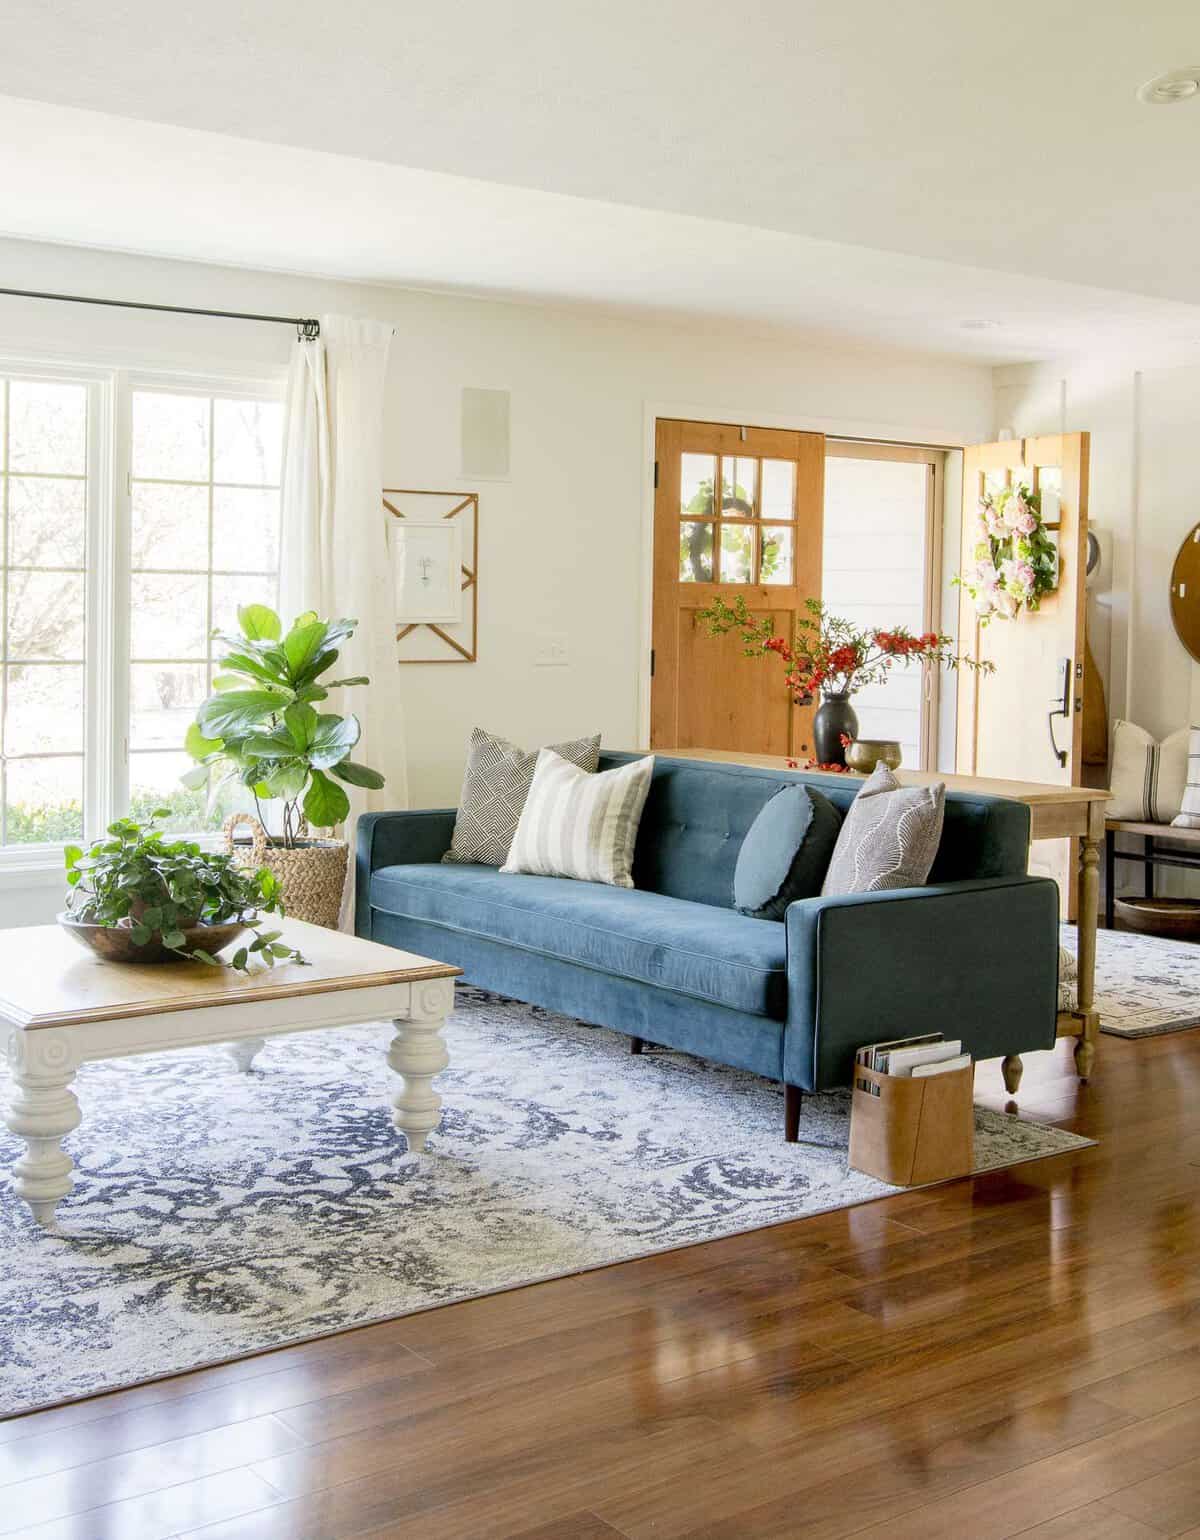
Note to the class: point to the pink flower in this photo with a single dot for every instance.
(1026, 524)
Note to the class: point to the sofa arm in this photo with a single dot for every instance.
(975, 959)
(396, 839)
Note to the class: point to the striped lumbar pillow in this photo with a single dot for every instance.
(1188, 816)
(580, 825)
(1146, 778)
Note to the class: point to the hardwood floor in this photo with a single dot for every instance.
(1016, 1354)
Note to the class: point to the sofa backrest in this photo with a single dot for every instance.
(697, 816)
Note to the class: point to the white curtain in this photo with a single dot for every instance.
(335, 555)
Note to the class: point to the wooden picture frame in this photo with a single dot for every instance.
(430, 628)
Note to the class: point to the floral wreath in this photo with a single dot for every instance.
(1015, 560)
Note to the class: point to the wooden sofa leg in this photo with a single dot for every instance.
(1012, 1069)
(636, 1045)
(792, 1098)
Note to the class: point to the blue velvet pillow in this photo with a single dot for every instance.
(786, 853)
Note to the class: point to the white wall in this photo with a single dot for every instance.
(562, 543)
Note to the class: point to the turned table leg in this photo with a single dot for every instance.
(41, 1111)
(417, 1054)
(1089, 907)
(245, 1051)
(1012, 1069)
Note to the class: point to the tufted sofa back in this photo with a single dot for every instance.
(697, 816)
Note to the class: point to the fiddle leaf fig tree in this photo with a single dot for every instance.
(261, 725)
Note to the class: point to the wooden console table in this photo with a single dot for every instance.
(1055, 813)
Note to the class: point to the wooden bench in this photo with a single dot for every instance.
(1150, 855)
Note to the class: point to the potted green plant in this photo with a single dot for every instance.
(261, 727)
(134, 897)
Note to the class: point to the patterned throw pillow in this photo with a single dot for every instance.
(581, 825)
(1146, 778)
(498, 778)
(1188, 816)
(889, 836)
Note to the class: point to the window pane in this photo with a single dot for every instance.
(170, 527)
(43, 710)
(739, 481)
(778, 489)
(247, 441)
(697, 473)
(776, 555)
(170, 435)
(47, 427)
(163, 700)
(737, 553)
(245, 530)
(695, 553)
(45, 522)
(154, 782)
(44, 800)
(45, 615)
(168, 618)
(230, 593)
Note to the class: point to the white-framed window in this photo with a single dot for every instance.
(139, 510)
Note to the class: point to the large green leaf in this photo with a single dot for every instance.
(197, 745)
(301, 723)
(276, 744)
(194, 778)
(259, 623)
(302, 644)
(326, 803)
(357, 775)
(255, 668)
(332, 740)
(286, 779)
(236, 713)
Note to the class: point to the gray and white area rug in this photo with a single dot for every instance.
(217, 1214)
(1145, 985)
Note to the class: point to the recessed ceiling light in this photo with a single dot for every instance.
(979, 325)
(1174, 86)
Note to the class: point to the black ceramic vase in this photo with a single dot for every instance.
(835, 716)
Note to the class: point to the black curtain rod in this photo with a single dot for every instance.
(304, 327)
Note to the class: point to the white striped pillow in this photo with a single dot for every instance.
(1188, 816)
(576, 824)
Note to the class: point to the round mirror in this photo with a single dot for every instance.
(1185, 593)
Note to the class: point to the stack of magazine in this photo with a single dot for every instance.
(928, 1055)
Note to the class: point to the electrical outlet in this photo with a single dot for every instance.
(552, 651)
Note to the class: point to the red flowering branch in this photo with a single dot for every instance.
(830, 654)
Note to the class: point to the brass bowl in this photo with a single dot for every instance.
(115, 943)
(863, 754)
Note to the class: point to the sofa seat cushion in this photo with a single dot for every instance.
(695, 949)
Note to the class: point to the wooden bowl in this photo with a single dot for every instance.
(863, 754)
(115, 943)
(1175, 917)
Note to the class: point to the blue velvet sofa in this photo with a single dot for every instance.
(974, 953)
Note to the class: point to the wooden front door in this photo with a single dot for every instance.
(1011, 723)
(736, 511)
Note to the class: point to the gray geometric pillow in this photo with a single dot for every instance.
(498, 778)
(889, 837)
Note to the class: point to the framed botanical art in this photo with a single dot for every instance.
(433, 545)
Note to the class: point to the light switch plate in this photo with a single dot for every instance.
(552, 651)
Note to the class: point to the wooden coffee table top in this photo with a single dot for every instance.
(48, 980)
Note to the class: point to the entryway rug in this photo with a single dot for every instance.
(1144, 984)
(217, 1214)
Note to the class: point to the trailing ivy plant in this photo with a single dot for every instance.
(136, 880)
(261, 726)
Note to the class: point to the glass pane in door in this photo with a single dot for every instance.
(697, 474)
(696, 552)
(737, 553)
(739, 485)
(874, 575)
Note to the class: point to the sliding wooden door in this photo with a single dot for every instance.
(737, 511)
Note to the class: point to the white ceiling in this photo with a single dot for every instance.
(866, 168)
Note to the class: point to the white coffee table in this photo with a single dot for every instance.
(61, 1006)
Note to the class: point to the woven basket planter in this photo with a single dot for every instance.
(312, 874)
